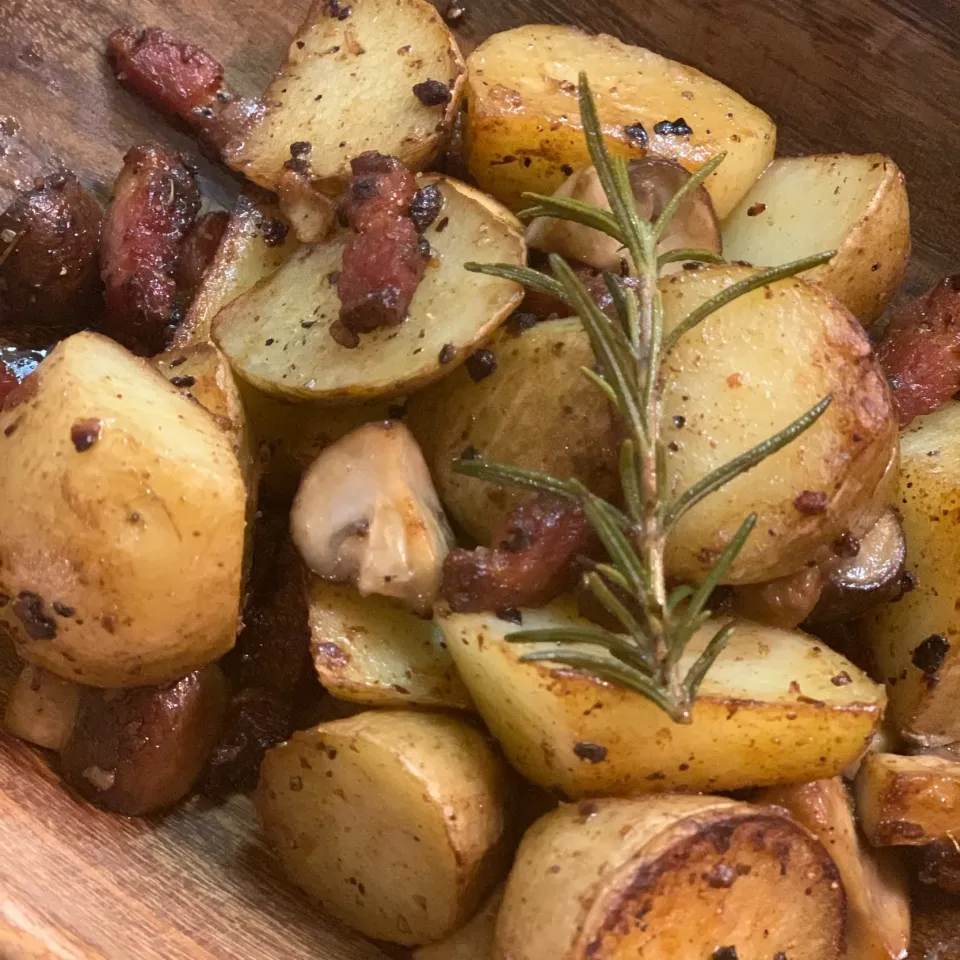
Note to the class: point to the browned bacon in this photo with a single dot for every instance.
(155, 203)
(921, 351)
(534, 561)
(199, 249)
(385, 258)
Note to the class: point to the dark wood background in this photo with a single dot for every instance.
(849, 75)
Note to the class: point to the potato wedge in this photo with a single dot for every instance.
(914, 642)
(326, 95)
(536, 410)
(670, 878)
(373, 650)
(473, 941)
(878, 904)
(523, 130)
(394, 821)
(41, 707)
(776, 707)
(277, 335)
(856, 205)
(121, 521)
(747, 372)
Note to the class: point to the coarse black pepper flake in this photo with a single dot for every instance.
(62, 610)
(511, 615)
(425, 206)
(756, 209)
(424, 248)
(841, 679)
(30, 610)
(432, 93)
(274, 231)
(183, 381)
(301, 148)
(447, 353)
(335, 10)
(178, 361)
(480, 364)
(443, 224)
(84, 434)
(725, 953)
(637, 132)
(673, 128)
(810, 502)
(590, 752)
(470, 453)
(929, 655)
(566, 169)
(679, 421)
(518, 323)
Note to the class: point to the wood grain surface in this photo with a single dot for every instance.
(835, 74)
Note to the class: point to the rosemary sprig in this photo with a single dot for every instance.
(657, 624)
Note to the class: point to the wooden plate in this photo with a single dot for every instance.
(836, 75)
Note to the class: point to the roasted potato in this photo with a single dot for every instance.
(373, 650)
(856, 205)
(667, 878)
(878, 906)
(908, 801)
(777, 707)
(277, 335)
(141, 750)
(394, 821)
(523, 130)
(400, 99)
(473, 941)
(536, 410)
(41, 707)
(122, 511)
(913, 641)
(745, 373)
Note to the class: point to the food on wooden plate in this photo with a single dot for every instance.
(908, 801)
(667, 878)
(370, 649)
(369, 75)
(875, 881)
(41, 707)
(777, 707)
(278, 335)
(473, 941)
(122, 510)
(395, 821)
(366, 514)
(141, 750)
(524, 134)
(856, 205)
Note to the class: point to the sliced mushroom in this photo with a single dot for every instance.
(42, 707)
(310, 213)
(784, 602)
(366, 513)
(654, 181)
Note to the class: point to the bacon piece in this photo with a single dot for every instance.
(921, 351)
(155, 203)
(384, 260)
(535, 559)
(199, 249)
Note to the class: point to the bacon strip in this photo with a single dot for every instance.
(155, 203)
(921, 351)
(534, 562)
(199, 249)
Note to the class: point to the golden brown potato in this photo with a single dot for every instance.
(856, 205)
(878, 907)
(122, 510)
(41, 707)
(777, 707)
(473, 941)
(523, 129)
(747, 372)
(277, 335)
(399, 99)
(670, 877)
(372, 650)
(394, 821)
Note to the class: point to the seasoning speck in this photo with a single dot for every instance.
(841, 679)
(183, 381)
(301, 148)
(756, 209)
(725, 953)
(480, 364)
(29, 610)
(432, 93)
(447, 353)
(673, 128)
(470, 453)
(930, 654)
(590, 752)
(510, 614)
(274, 231)
(811, 502)
(638, 133)
(335, 10)
(62, 610)
(84, 434)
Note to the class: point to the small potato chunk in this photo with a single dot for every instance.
(908, 801)
(474, 941)
(776, 707)
(277, 335)
(390, 78)
(744, 374)
(856, 205)
(141, 750)
(41, 707)
(394, 821)
(878, 906)
(122, 516)
(670, 878)
(371, 650)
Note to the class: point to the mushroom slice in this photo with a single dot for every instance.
(367, 513)
(785, 602)
(655, 181)
(42, 707)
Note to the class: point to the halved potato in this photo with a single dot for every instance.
(878, 905)
(776, 707)
(908, 801)
(41, 707)
(350, 85)
(523, 130)
(670, 878)
(856, 205)
(474, 941)
(394, 821)
(373, 650)
(536, 410)
(277, 336)
(745, 373)
(122, 523)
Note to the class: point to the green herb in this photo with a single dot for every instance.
(657, 623)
